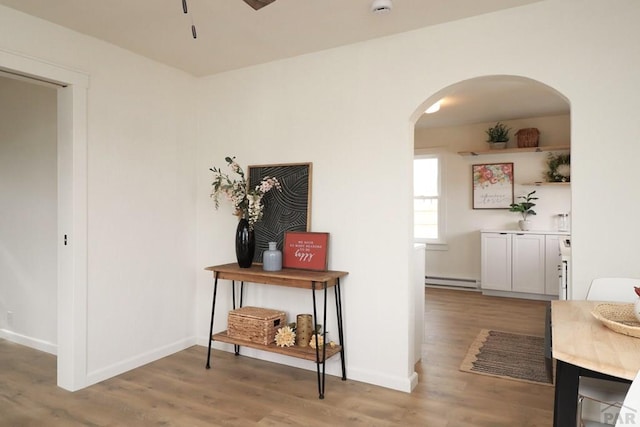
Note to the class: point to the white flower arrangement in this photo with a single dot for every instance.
(312, 341)
(246, 202)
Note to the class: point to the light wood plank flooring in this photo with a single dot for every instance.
(239, 391)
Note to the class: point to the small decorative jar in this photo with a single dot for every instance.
(304, 329)
(272, 258)
(563, 222)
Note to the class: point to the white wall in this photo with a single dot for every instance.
(28, 214)
(463, 224)
(416, 299)
(141, 195)
(348, 110)
(308, 109)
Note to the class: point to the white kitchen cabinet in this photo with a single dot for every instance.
(520, 262)
(528, 265)
(496, 261)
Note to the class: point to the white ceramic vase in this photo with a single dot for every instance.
(524, 224)
(272, 258)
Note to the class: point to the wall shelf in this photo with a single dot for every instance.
(540, 183)
(516, 150)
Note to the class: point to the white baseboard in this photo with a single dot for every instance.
(41, 345)
(454, 282)
(137, 361)
(333, 367)
(521, 295)
(395, 383)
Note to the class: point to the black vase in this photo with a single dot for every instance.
(245, 244)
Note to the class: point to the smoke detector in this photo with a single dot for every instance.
(381, 6)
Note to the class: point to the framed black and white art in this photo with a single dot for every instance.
(286, 210)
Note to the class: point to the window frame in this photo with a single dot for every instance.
(433, 153)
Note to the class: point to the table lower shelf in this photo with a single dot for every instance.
(306, 353)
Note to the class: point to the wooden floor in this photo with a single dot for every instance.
(238, 391)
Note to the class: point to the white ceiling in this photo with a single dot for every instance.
(232, 35)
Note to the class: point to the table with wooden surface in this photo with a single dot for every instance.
(583, 346)
(292, 278)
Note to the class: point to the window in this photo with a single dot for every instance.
(428, 221)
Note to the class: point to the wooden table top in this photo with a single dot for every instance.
(286, 277)
(582, 340)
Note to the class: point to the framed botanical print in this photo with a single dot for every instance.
(492, 185)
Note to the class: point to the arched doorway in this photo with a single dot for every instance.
(468, 108)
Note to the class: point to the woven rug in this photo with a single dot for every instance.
(507, 355)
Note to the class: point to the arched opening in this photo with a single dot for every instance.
(468, 108)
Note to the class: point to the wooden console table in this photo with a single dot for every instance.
(302, 279)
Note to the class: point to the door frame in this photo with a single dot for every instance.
(72, 211)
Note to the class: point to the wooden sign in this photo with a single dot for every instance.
(306, 251)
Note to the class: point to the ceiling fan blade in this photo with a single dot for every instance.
(258, 4)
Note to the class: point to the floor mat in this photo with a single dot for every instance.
(507, 355)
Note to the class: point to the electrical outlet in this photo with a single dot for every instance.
(10, 319)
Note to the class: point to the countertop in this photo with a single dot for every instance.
(580, 339)
(553, 232)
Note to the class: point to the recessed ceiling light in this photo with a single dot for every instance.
(434, 108)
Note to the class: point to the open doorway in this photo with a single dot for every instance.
(28, 223)
(71, 229)
(454, 319)
(467, 110)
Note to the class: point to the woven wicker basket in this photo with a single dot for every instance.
(255, 324)
(528, 137)
(618, 317)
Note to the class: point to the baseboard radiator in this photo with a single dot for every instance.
(456, 282)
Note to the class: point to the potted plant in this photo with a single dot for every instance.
(498, 135)
(559, 168)
(524, 207)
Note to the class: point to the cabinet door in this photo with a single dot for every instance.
(552, 264)
(528, 263)
(496, 261)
